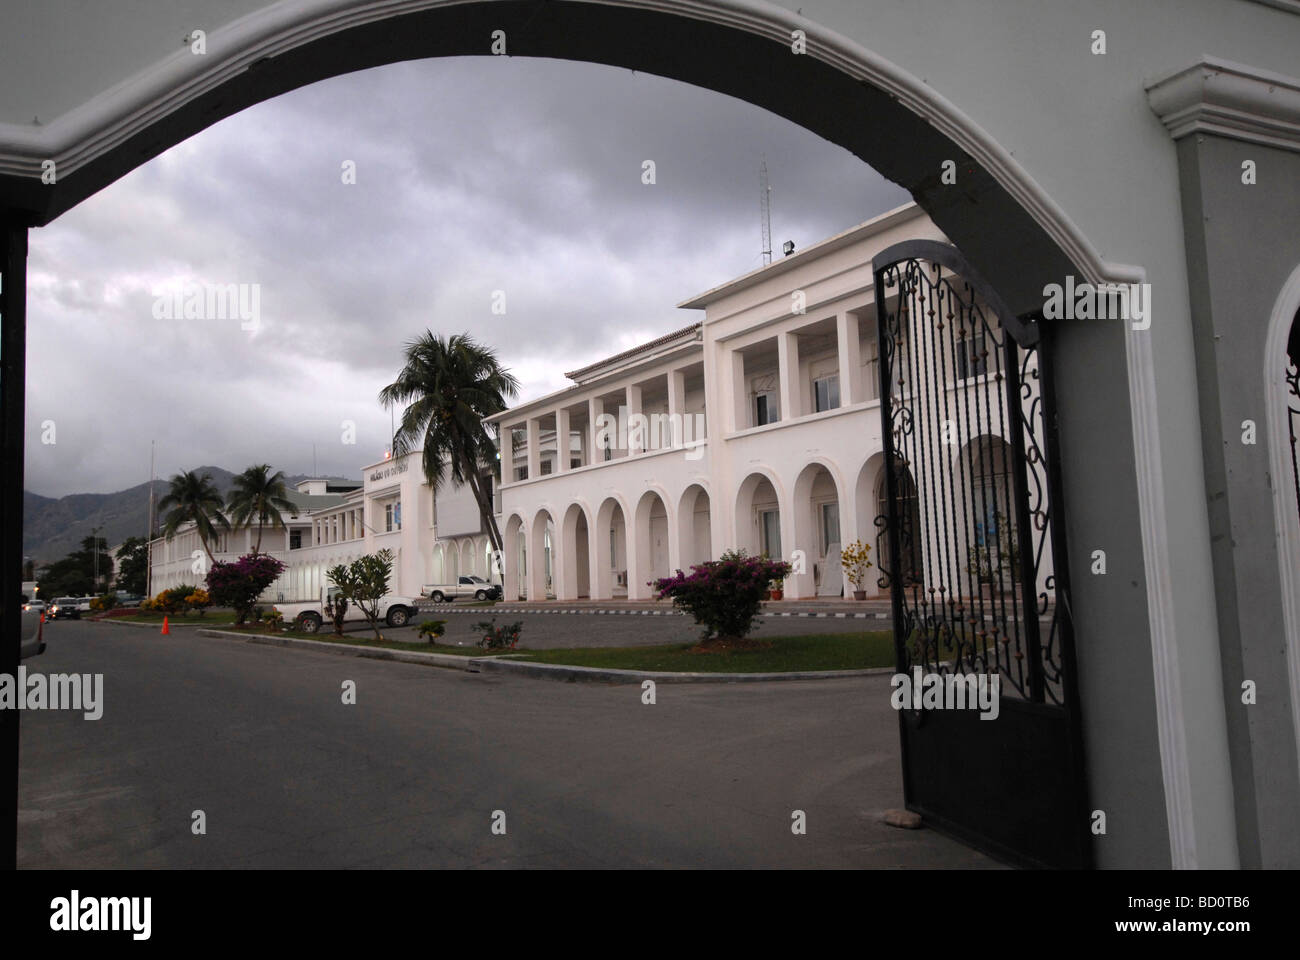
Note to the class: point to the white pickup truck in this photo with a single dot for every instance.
(475, 587)
(308, 617)
(32, 640)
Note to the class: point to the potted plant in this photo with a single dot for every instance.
(855, 558)
(776, 589)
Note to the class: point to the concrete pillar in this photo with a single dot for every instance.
(636, 438)
(739, 392)
(595, 410)
(676, 407)
(846, 329)
(534, 446)
(562, 440)
(787, 358)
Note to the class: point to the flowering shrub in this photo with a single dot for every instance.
(198, 600)
(107, 602)
(498, 638)
(239, 584)
(725, 595)
(855, 558)
(172, 601)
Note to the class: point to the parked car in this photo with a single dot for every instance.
(308, 617)
(475, 587)
(37, 605)
(128, 599)
(32, 640)
(63, 608)
(83, 604)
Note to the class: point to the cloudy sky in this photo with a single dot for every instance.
(472, 175)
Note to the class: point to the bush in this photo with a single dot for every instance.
(172, 601)
(724, 596)
(198, 600)
(498, 638)
(107, 602)
(239, 584)
(433, 629)
(855, 558)
(274, 620)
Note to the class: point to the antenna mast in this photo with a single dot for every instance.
(765, 209)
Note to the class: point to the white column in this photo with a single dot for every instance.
(596, 450)
(739, 392)
(787, 358)
(846, 329)
(562, 442)
(676, 407)
(534, 449)
(635, 428)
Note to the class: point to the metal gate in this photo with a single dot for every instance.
(972, 549)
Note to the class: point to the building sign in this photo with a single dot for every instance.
(385, 472)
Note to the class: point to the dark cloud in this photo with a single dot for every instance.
(473, 175)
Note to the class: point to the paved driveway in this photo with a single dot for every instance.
(288, 776)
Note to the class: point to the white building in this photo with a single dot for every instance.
(756, 428)
(391, 508)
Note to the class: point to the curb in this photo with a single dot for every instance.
(547, 671)
(444, 660)
(146, 626)
(570, 674)
(446, 608)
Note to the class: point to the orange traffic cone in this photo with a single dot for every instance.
(166, 629)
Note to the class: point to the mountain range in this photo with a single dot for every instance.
(54, 528)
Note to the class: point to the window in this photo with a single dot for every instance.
(388, 518)
(765, 409)
(521, 473)
(613, 550)
(770, 528)
(830, 525)
(972, 356)
(609, 452)
(546, 468)
(295, 539)
(826, 393)
(575, 463)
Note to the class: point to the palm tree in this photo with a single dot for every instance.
(257, 494)
(449, 385)
(194, 497)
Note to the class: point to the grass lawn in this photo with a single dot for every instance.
(368, 640)
(820, 651)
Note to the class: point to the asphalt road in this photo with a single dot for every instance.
(287, 775)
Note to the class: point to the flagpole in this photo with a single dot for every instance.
(148, 539)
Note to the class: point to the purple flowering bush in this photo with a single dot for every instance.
(239, 584)
(725, 595)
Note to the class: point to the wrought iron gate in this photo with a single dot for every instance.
(972, 551)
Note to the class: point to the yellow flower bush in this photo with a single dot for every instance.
(855, 558)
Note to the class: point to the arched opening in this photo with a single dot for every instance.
(989, 560)
(819, 533)
(541, 543)
(515, 565)
(910, 569)
(611, 551)
(575, 555)
(694, 527)
(759, 517)
(650, 546)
